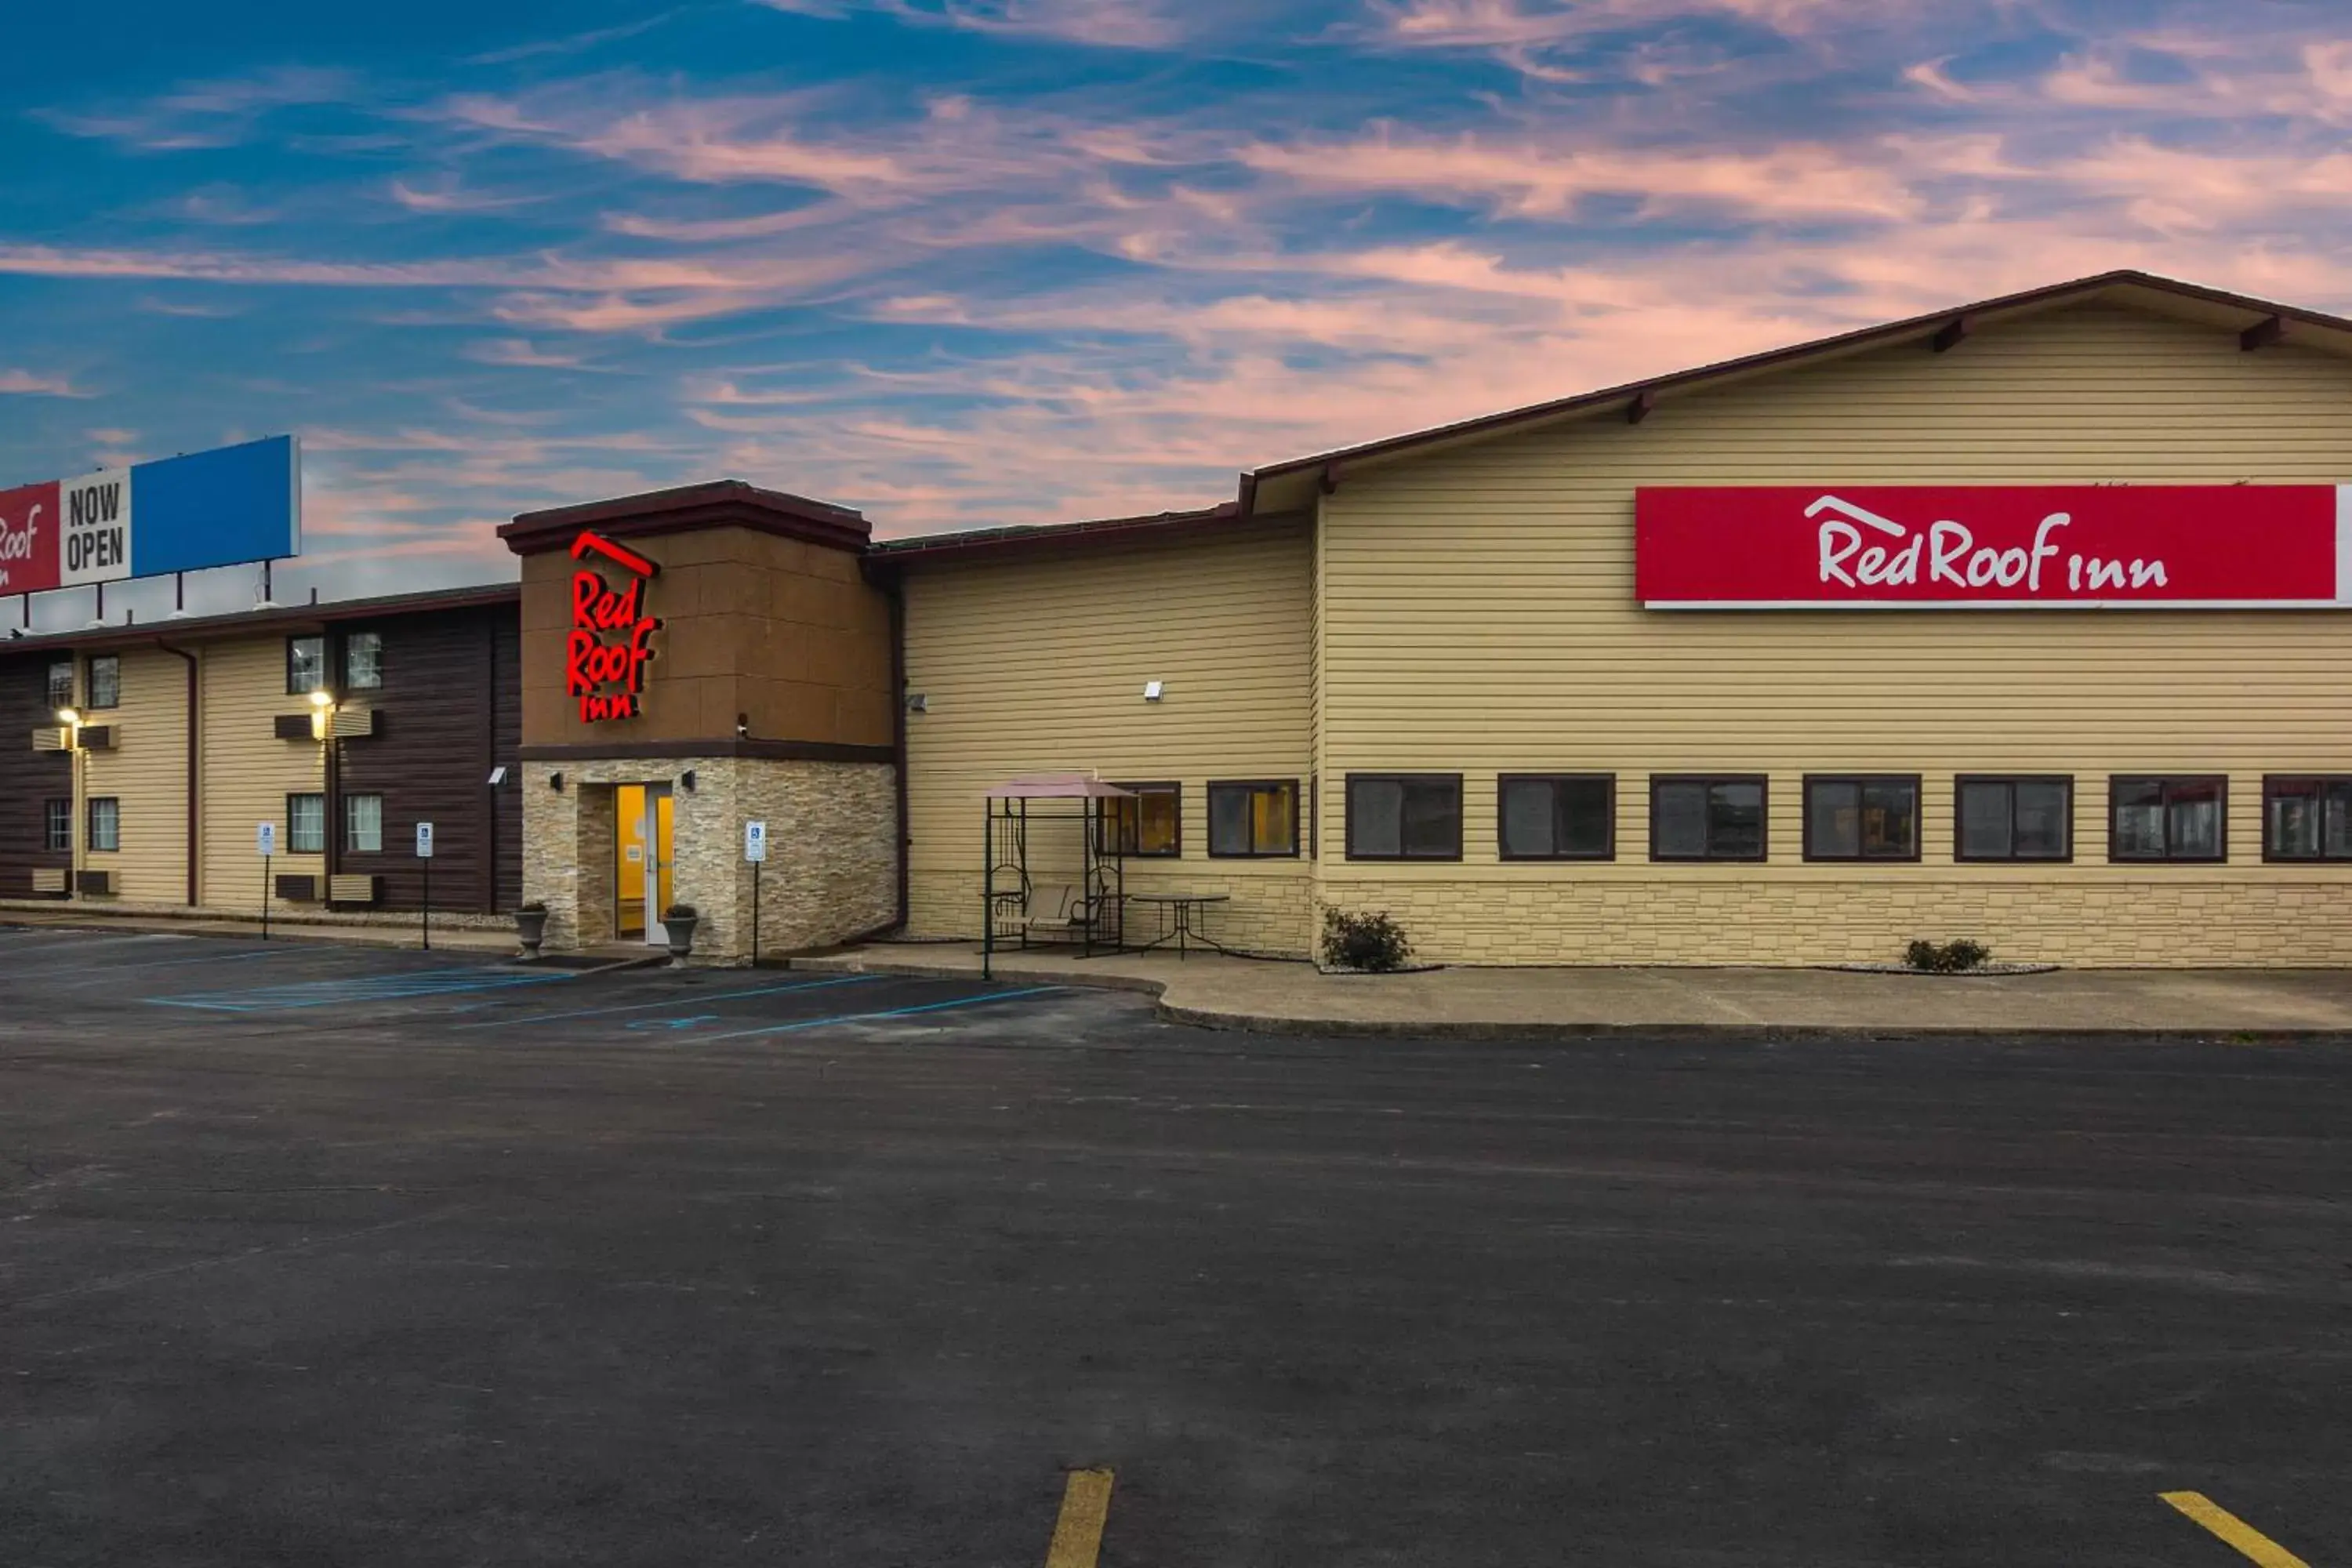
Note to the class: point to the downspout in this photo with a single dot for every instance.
(196, 755)
(897, 591)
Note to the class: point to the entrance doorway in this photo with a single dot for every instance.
(642, 853)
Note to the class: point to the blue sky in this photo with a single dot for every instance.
(969, 261)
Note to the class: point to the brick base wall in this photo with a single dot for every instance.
(2269, 920)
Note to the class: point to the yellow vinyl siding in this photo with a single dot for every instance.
(248, 772)
(147, 772)
(1478, 615)
(1039, 665)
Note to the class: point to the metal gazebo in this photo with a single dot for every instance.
(1039, 886)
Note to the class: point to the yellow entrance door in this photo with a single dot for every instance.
(629, 868)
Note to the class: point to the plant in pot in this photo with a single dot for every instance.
(530, 926)
(678, 921)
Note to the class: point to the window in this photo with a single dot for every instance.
(56, 827)
(306, 665)
(2026, 818)
(2167, 818)
(1404, 816)
(2307, 818)
(363, 823)
(306, 825)
(1556, 816)
(363, 661)
(1151, 825)
(61, 685)
(1706, 818)
(1257, 817)
(106, 680)
(1865, 817)
(105, 824)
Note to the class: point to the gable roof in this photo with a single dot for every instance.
(1289, 487)
(1281, 487)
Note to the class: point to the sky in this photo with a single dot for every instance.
(968, 262)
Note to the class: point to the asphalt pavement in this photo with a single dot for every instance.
(322, 1256)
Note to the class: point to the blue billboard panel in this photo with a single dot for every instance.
(221, 507)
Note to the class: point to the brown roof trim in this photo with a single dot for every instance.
(285, 618)
(1052, 538)
(720, 503)
(1890, 332)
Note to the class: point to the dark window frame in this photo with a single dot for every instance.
(1502, 842)
(57, 812)
(1209, 801)
(89, 682)
(350, 846)
(1960, 781)
(49, 683)
(1763, 829)
(1348, 827)
(90, 823)
(2271, 783)
(292, 846)
(326, 673)
(343, 658)
(2115, 783)
(1862, 783)
(1155, 786)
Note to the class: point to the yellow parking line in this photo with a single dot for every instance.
(2249, 1540)
(1077, 1534)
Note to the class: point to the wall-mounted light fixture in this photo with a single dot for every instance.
(686, 779)
(1154, 689)
(742, 726)
(555, 783)
(916, 702)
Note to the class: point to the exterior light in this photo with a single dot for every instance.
(69, 718)
(555, 783)
(323, 699)
(1152, 689)
(686, 778)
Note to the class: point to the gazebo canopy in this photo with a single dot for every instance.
(1058, 786)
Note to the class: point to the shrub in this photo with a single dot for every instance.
(1946, 958)
(678, 912)
(1372, 943)
(532, 907)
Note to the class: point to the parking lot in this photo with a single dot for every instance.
(322, 1256)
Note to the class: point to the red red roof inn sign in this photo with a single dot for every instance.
(1965, 547)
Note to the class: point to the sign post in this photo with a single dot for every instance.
(755, 850)
(424, 853)
(265, 839)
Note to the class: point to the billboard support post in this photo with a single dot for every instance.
(265, 898)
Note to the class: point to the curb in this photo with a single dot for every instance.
(1474, 1029)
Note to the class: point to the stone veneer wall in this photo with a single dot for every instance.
(833, 852)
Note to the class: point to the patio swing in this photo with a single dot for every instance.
(1054, 874)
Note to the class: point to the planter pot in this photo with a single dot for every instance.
(681, 939)
(530, 929)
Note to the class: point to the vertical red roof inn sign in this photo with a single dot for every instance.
(611, 637)
(1967, 547)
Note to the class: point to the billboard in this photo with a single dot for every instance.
(1957, 547)
(222, 508)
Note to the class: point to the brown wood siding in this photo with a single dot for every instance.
(448, 713)
(27, 777)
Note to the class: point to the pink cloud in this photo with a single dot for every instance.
(26, 383)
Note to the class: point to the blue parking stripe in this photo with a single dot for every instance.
(887, 1012)
(396, 987)
(689, 1001)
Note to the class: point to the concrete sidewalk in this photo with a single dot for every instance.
(1243, 993)
(453, 939)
